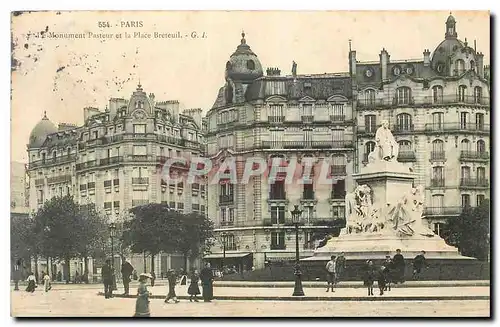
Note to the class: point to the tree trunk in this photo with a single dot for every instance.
(36, 268)
(152, 262)
(48, 267)
(85, 270)
(186, 262)
(68, 266)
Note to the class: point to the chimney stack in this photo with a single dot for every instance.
(384, 61)
(480, 67)
(427, 58)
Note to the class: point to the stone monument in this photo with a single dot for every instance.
(384, 213)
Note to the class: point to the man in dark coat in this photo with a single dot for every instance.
(207, 278)
(388, 264)
(339, 267)
(107, 279)
(126, 270)
(398, 262)
(418, 264)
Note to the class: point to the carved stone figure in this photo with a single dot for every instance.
(386, 144)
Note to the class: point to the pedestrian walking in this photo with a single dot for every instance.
(46, 283)
(142, 302)
(31, 283)
(172, 280)
(207, 278)
(193, 289)
(369, 276)
(126, 271)
(399, 267)
(381, 279)
(17, 274)
(388, 264)
(330, 274)
(153, 278)
(339, 267)
(107, 279)
(419, 263)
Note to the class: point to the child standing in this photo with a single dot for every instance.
(369, 277)
(381, 279)
(193, 289)
(142, 302)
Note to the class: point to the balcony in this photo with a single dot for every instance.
(474, 183)
(437, 182)
(308, 195)
(86, 165)
(423, 101)
(369, 130)
(307, 119)
(276, 119)
(307, 144)
(59, 179)
(140, 180)
(458, 127)
(406, 156)
(139, 158)
(403, 128)
(438, 156)
(226, 199)
(226, 223)
(107, 183)
(474, 155)
(39, 181)
(277, 196)
(337, 195)
(337, 118)
(442, 211)
(339, 170)
(53, 161)
(278, 246)
(110, 161)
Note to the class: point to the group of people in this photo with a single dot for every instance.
(32, 284)
(391, 271)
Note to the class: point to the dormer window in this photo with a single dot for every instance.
(250, 64)
(139, 105)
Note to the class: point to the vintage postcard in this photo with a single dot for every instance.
(250, 164)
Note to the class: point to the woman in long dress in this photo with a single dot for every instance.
(193, 289)
(31, 283)
(142, 302)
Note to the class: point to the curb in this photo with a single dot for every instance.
(323, 298)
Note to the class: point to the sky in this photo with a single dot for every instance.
(62, 76)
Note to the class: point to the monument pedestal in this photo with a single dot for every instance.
(390, 183)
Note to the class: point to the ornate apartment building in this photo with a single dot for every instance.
(438, 108)
(113, 161)
(268, 116)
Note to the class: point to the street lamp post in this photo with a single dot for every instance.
(112, 234)
(297, 290)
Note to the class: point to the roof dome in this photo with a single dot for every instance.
(40, 132)
(243, 65)
(450, 19)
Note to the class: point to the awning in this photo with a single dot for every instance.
(228, 255)
(276, 256)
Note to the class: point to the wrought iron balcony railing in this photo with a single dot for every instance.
(474, 155)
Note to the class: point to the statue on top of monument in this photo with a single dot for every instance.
(386, 147)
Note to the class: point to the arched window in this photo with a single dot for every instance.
(465, 147)
(480, 147)
(403, 95)
(459, 67)
(369, 147)
(462, 93)
(250, 64)
(478, 93)
(369, 97)
(404, 122)
(437, 94)
(472, 65)
(437, 150)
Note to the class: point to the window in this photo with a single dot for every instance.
(277, 190)
(481, 146)
(481, 175)
(139, 104)
(277, 215)
(437, 94)
(437, 176)
(371, 123)
(278, 241)
(95, 134)
(369, 147)
(405, 146)
(338, 112)
(437, 149)
(276, 113)
(480, 122)
(472, 65)
(338, 189)
(403, 95)
(338, 165)
(40, 196)
(338, 212)
(438, 120)
(308, 213)
(370, 97)
(250, 64)
(404, 122)
(462, 93)
(307, 137)
(459, 67)
(140, 150)
(464, 120)
(437, 203)
(308, 192)
(438, 228)
(477, 94)
(227, 189)
(465, 146)
(307, 110)
(139, 129)
(480, 199)
(465, 200)
(465, 173)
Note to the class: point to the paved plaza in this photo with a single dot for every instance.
(84, 301)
